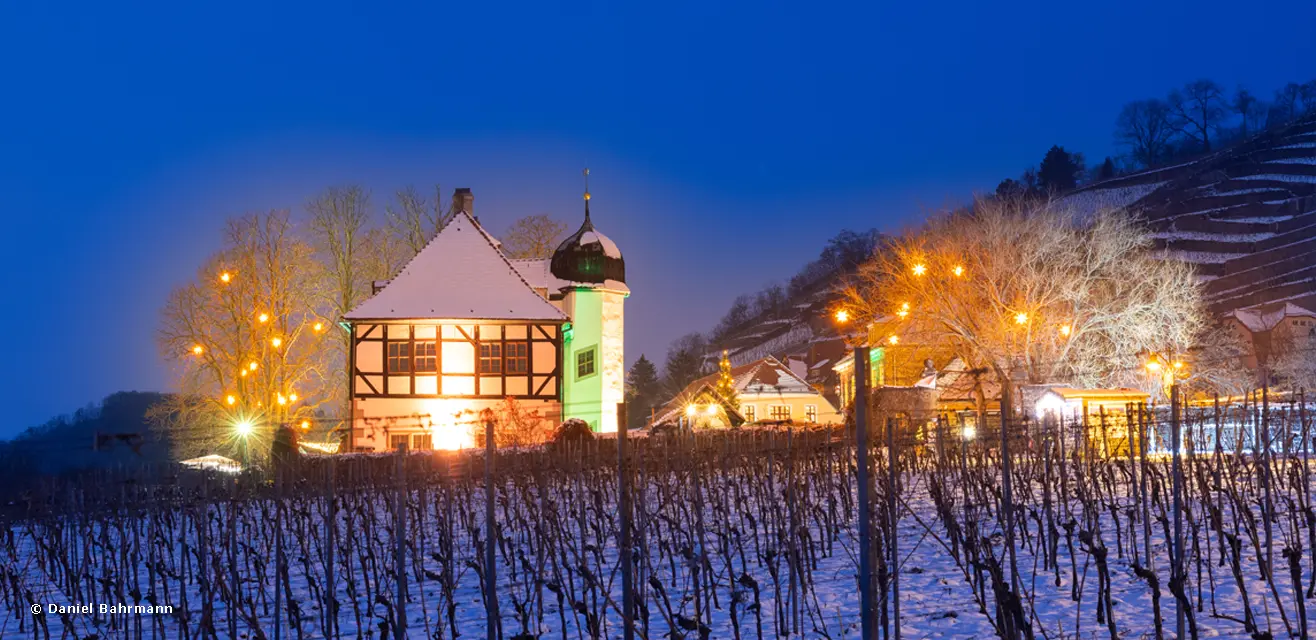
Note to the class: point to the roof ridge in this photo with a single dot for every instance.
(489, 239)
(453, 227)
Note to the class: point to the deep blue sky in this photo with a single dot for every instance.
(727, 141)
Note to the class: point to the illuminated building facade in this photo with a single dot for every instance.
(463, 329)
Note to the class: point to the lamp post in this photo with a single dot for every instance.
(860, 403)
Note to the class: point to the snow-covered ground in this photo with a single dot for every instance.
(716, 531)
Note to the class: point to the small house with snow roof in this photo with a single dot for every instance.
(462, 329)
(767, 391)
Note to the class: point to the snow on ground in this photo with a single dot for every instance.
(745, 513)
(1088, 202)
(1302, 160)
(1214, 237)
(1279, 177)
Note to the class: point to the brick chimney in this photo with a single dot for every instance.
(463, 200)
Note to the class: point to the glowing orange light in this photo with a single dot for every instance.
(225, 277)
(318, 327)
(690, 410)
(292, 397)
(1066, 330)
(893, 339)
(231, 399)
(1178, 365)
(244, 373)
(958, 271)
(920, 269)
(282, 399)
(253, 365)
(198, 349)
(1021, 318)
(902, 313)
(306, 424)
(264, 317)
(276, 342)
(1153, 365)
(842, 316)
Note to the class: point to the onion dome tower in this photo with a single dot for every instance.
(594, 295)
(588, 256)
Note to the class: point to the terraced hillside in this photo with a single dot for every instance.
(1246, 216)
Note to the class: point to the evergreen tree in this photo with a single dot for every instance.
(1059, 171)
(684, 362)
(643, 391)
(1107, 170)
(726, 385)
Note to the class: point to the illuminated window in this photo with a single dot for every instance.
(811, 413)
(398, 441)
(517, 357)
(748, 412)
(585, 363)
(399, 357)
(491, 357)
(780, 412)
(422, 442)
(426, 358)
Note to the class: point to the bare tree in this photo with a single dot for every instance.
(1244, 105)
(351, 255)
(1223, 363)
(1308, 94)
(533, 237)
(1082, 300)
(246, 338)
(413, 221)
(1293, 357)
(1144, 127)
(1197, 110)
(1286, 106)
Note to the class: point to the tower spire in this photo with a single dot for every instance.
(586, 174)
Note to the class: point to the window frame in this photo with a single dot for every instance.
(402, 358)
(775, 411)
(417, 356)
(492, 360)
(394, 439)
(592, 352)
(811, 413)
(747, 412)
(419, 439)
(510, 358)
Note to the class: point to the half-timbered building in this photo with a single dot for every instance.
(462, 329)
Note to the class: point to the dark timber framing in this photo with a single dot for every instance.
(537, 332)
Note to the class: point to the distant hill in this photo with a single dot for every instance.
(1244, 216)
(792, 323)
(69, 444)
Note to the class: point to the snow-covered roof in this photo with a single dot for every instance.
(1267, 316)
(214, 462)
(764, 378)
(461, 274)
(594, 237)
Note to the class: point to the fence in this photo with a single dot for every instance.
(741, 534)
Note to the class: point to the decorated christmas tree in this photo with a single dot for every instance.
(726, 385)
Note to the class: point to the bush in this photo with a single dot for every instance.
(573, 431)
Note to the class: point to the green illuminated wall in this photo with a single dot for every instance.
(582, 397)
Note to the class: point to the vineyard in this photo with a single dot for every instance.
(740, 534)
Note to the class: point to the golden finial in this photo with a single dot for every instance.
(586, 174)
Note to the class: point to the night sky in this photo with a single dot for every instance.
(726, 141)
